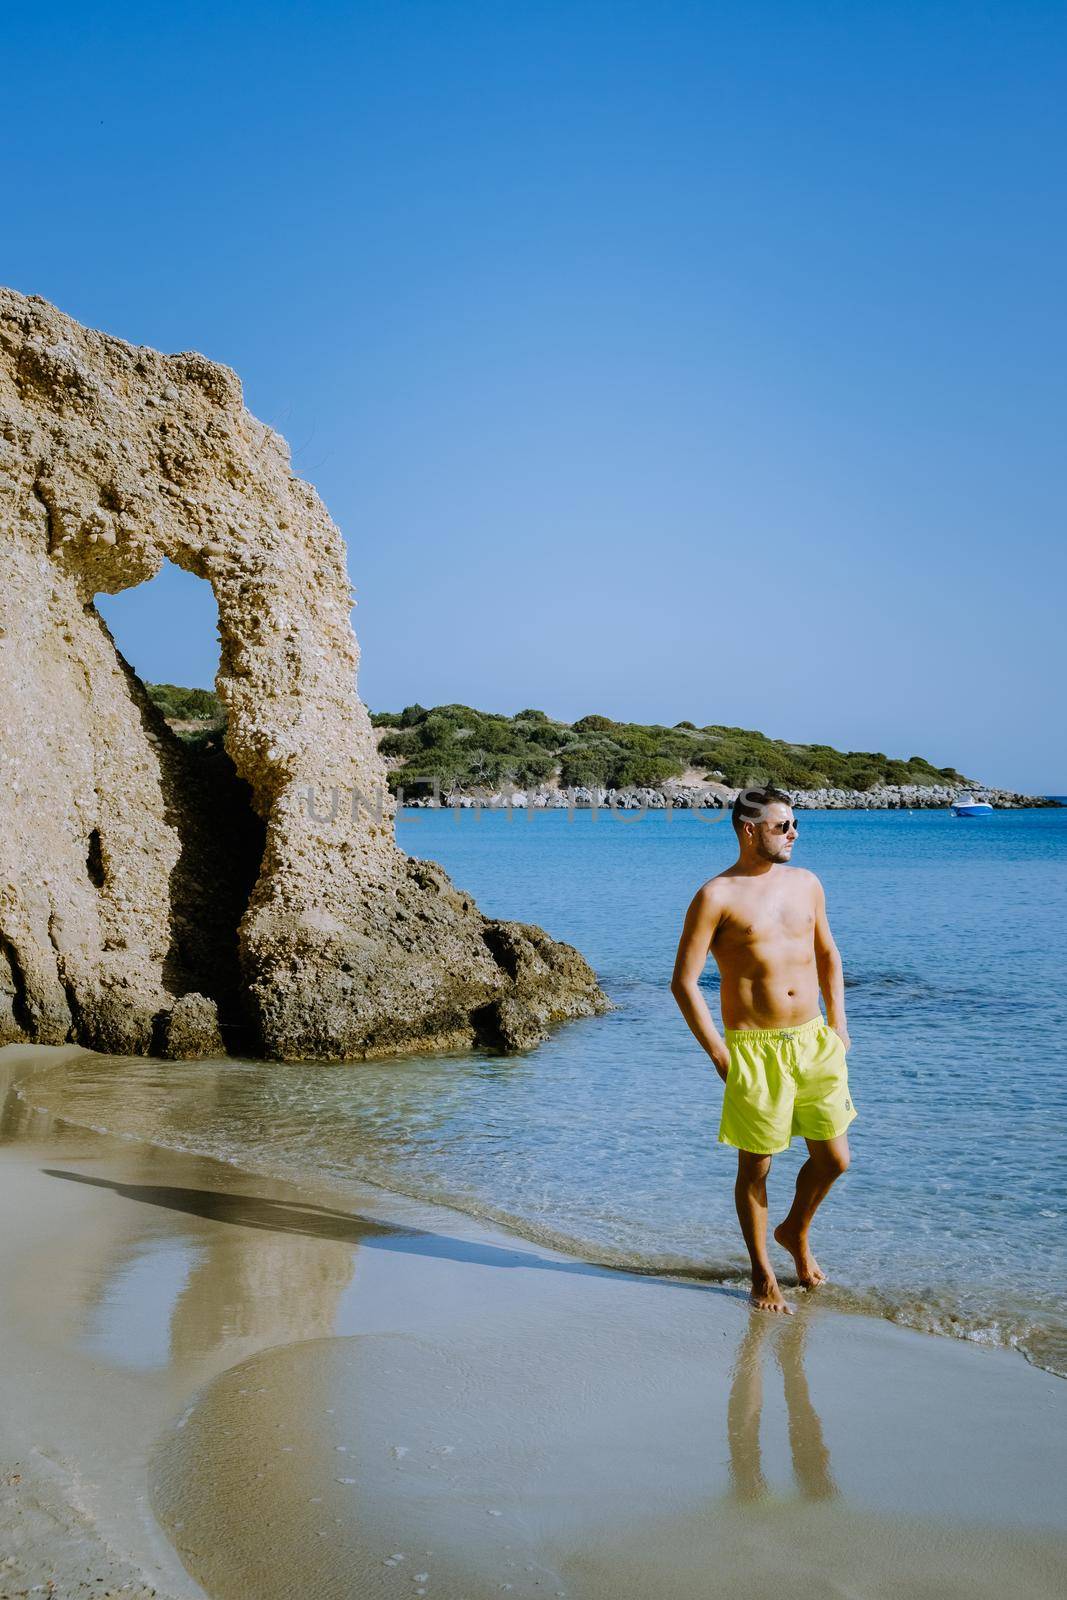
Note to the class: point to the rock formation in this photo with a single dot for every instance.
(154, 898)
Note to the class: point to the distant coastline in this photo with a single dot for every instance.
(671, 797)
(457, 756)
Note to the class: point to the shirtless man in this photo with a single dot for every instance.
(784, 1067)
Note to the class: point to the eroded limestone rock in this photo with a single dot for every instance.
(135, 871)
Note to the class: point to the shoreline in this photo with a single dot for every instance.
(299, 1395)
(710, 796)
(1015, 1322)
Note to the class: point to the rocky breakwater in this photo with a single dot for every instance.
(154, 898)
(910, 797)
(718, 797)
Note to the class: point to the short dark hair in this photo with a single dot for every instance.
(751, 803)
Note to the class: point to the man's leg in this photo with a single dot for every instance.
(827, 1160)
(750, 1196)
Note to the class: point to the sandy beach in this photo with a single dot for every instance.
(214, 1383)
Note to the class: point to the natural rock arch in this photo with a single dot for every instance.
(112, 458)
(220, 839)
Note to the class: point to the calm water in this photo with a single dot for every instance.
(952, 1217)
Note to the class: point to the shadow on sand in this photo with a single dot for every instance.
(346, 1227)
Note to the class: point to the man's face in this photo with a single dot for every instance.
(776, 832)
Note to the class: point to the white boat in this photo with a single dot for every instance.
(965, 805)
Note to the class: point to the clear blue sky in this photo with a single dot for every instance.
(663, 359)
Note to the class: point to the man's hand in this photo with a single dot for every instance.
(720, 1058)
(842, 1034)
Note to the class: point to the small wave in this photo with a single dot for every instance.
(887, 980)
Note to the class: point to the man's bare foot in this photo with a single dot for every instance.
(765, 1295)
(809, 1272)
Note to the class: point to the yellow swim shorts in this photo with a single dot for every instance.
(784, 1081)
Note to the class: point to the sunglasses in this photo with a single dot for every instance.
(784, 827)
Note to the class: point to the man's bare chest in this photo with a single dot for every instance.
(752, 921)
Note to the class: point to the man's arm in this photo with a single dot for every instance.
(701, 920)
(831, 972)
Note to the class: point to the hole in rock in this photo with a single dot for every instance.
(94, 859)
(168, 628)
(167, 636)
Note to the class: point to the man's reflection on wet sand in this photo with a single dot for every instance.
(811, 1457)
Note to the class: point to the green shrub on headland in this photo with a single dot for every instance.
(185, 705)
(467, 749)
(195, 715)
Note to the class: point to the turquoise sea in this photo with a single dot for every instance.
(604, 1139)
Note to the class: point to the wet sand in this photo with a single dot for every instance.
(213, 1383)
